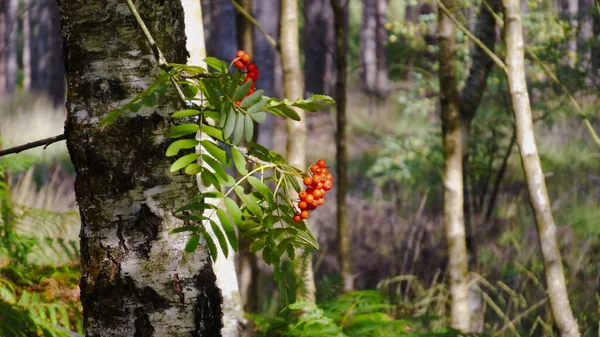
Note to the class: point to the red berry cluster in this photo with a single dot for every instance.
(242, 61)
(318, 182)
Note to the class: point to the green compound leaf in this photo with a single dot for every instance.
(210, 243)
(193, 243)
(262, 188)
(252, 99)
(239, 129)
(242, 91)
(248, 127)
(182, 130)
(239, 161)
(230, 123)
(192, 169)
(216, 64)
(250, 201)
(184, 161)
(218, 153)
(228, 228)
(181, 144)
(234, 211)
(186, 113)
(220, 237)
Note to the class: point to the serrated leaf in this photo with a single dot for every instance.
(185, 229)
(216, 166)
(182, 130)
(242, 91)
(210, 243)
(220, 237)
(266, 255)
(250, 201)
(192, 217)
(135, 107)
(181, 144)
(238, 132)
(218, 153)
(309, 239)
(254, 233)
(213, 132)
(262, 188)
(189, 91)
(228, 228)
(230, 124)
(281, 247)
(149, 100)
(234, 211)
(184, 161)
(192, 169)
(211, 94)
(194, 206)
(252, 99)
(193, 243)
(291, 250)
(247, 225)
(216, 64)
(239, 161)
(257, 107)
(223, 115)
(285, 111)
(256, 245)
(292, 181)
(259, 116)
(186, 113)
(248, 127)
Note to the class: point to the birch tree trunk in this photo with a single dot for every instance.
(136, 278)
(538, 196)
(26, 53)
(3, 44)
(340, 15)
(296, 130)
(372, 47)
(453, 178)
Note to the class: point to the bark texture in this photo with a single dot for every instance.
(340, 15)
(8, 49)
(136, 278)
(296, 130)
(319, 54)
(453, 176)
(538, 196)
(373, 36)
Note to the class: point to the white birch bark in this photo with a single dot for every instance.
(137, 280)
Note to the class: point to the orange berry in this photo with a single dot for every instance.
(315, 169)
(321, 163)
(302, 205)
(237, 103)
(302, 195)
(324, 170)
(310, 198)
(252, 67)
(320, 201)
(309, 191)
(308, 181)
(245, 58)
(240, 53)
(323, 192)
(329, 176)
(304, 214)
(312, 205)
(318, 194)
(327, 185)
(238, 64)
(323, 176)
(297, 217)
(317, 179)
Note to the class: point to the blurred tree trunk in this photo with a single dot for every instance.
(586, 32)
(267, 13)
(469, 100)
(136, 278)
(3, 46)
(570, 9)
(373, 36)
(538, 196)
(319, 54)
(8, 51)
(453, 175)
(340, 14)
(296, 130)
(596, 46)
(26, 54)
(220, 29)
(249, 272)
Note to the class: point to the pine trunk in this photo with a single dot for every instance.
(453, 175)
(538, 196)
(136, 278)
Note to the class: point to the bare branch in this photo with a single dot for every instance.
(42, 142)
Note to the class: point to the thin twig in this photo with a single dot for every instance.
(157, 53)
(477, 41)
(519, 316)
(253, 21)
(42, 142)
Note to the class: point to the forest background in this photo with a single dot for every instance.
(395, 162)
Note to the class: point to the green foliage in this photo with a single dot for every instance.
(363, 313)
(227, 114)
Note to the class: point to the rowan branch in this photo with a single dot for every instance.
(42, 142)
(253, 21)
(157, 53)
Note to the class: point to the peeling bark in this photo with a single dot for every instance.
(534, 175)
(136, 278)
(453, 175)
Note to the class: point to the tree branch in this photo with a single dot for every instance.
(42, 142)
(253, 21)
(157, 53)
